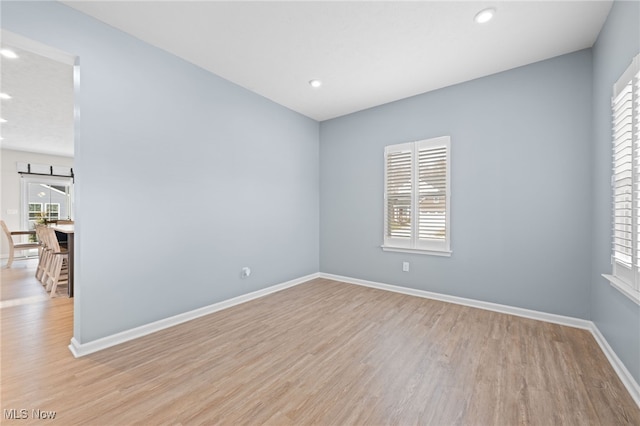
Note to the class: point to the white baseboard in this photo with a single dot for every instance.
(620, 369)
(81, 349)
(495, 307)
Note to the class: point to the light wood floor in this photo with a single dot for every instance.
(19, 285)
(319, 353)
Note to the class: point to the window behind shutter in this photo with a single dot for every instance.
(623, 180)
(626, 181)
(432, 172)
(398, 191)
(636, 164)
(417, 196)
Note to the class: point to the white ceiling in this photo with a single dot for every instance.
(39, 115)
(367, 53)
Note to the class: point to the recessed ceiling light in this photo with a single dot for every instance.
(5, 96)
(484, 15)
(315, 83)
(8, 53)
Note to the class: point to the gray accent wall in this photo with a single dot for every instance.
(154, 131)
(520, 182)
(617, 317)
(288, 197)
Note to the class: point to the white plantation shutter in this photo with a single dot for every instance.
(417, 196)
(625, 182)
(623, 177)
(399, 194)
(432, 172)
(636, 170)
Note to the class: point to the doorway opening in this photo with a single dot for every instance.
(46, 200)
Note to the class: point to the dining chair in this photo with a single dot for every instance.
(45, 253)
(56, 271)
(13, 246)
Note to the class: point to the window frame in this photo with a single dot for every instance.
(27, 179)
(625, 266)
(414, 244)
(47, 211)
(38, 213)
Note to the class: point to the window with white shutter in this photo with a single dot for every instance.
(417, 197)
(625, 182)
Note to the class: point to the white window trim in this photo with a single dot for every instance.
(48, 212)
(623, 287)
(413, 245)
(35, 204)
(443, 253)
(622, 278)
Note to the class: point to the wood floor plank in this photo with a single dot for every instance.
(322, 352)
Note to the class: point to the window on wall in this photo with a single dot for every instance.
(35, 211)
(417, 197)
(625, 183)
(52, 211)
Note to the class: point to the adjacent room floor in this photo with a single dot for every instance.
(322, 352)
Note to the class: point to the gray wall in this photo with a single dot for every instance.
(520, 188)
(154, 130)
(530, 173)
(617, 317)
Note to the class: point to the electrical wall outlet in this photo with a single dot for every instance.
(405, 266)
